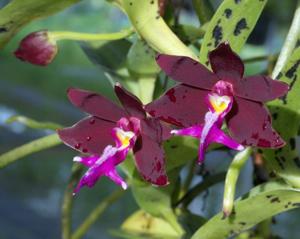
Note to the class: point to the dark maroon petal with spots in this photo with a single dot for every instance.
(250, 124)
(260, 88)
(90, 135)
(152, 128)
(95, 104)
(182, 106)
(131, 103)
(226, 64)
(187, 70)
(150, 162)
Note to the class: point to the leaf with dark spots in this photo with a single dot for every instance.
(217, 34)
(292, 71)
(260, 203)
(232, 22)
(227, 12)
(3, 29)
(241, 25)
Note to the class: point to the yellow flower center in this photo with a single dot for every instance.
(124, 137)
(219, 103)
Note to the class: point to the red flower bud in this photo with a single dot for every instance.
(37, 48)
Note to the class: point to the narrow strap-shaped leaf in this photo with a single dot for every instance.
(233, 22)
(260, 203)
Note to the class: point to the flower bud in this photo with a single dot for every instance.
(37, 48)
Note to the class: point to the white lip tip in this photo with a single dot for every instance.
(124, 185)
(174, 131)
(240, 148)
(77, 159)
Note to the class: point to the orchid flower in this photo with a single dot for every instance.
(128, 128)
(205, 99)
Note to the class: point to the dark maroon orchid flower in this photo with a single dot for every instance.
(128, 127)
(38, 48)
(205, 99)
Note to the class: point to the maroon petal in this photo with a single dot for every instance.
(260, 88)
(250, 124)
(226, 64)
(95, 104)
(149, 159)
(187, 70)
(131, 103)
(181, 105)
(90, 135)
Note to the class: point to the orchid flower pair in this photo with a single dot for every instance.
(198, 107)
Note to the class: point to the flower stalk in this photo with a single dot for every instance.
(66, 216)
(78, 36)
(34, 146)
(96, 213)
(231, 178)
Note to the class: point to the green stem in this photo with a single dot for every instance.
(231, 178)
(29, 148)
(190, 176)
(260, 58)
(199, 188)
(66, 217)
(33, 123)
(96, 213)
(289, 44)
(77, 36)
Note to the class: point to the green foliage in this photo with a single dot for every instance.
(31, 123)
(109, 55)
(144, 16)
(204, 10)
(141, 59)
(142, 225)
(18, 13)
(260, 203)
(285, 162)
(233, 22)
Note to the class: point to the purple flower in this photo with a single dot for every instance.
(205, 99)
(37, 48)
(125, 128)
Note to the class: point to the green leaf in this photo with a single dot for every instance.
(179, 151)
(204, 10)
(157, 201)
(260, 203)
(18, 13)
(143, 223)
(285, 162)
(109, 55)
(145, 18)
(141, 59)
(233, 22)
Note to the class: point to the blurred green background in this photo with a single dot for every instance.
(31, 190)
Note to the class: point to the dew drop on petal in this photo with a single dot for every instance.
(77, 146)
(88, 138)
(84, 150)
(92, 121)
